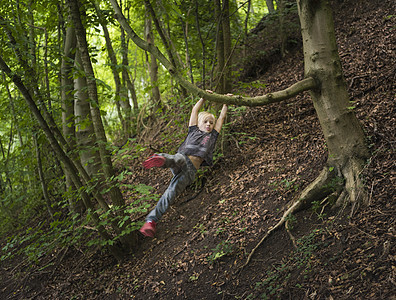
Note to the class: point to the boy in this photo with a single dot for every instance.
(196, 150)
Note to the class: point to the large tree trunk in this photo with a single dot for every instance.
(344, 136)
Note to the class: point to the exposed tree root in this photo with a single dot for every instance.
(288, 229)
(327, 188)
(323, 186)
(354, 187)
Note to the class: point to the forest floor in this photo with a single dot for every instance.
(270, 154)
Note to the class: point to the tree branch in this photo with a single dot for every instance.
(161, 33)
(298, 87)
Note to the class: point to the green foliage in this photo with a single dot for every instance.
(201, 228)
(75, 230)
(222, 249)
(243, 137)
(36, 56)
(251, 84)
(291, 221)
(286, 184)
(300, 262)
(45, 237)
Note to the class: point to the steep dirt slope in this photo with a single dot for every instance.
(270, 155)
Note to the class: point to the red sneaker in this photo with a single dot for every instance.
(154, 161)
(148, 229)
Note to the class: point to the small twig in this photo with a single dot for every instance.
(186, 244)
(372, 236)
(236, 142)
(371, 192)
(356, 77)
(60, 260)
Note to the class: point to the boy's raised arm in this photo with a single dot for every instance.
(220, 120)
(194, 112)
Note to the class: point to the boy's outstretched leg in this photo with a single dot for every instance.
(148, 229)
(165, 160)
(154, 161)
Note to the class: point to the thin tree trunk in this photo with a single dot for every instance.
(127, 84)
(270, 6)
(184, 26)
(14, 115)
(152, 65)
(202, 45)
(101, 139)
(85, 133)
(246, 28)
(121, 100)
(219, 87)
(227, 46)
(282, 33)
(43, 182)
(68, 127)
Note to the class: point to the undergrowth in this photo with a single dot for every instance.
(299, 264)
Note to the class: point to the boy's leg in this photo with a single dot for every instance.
(177, 185)
(165, 160)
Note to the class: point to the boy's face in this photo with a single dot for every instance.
(206, 124)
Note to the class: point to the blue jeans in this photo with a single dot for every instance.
(183, 175)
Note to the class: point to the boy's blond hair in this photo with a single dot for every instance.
(203, 115)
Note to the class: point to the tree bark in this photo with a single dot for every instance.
(282, 34)
(184, 26)
(198, 27)
(227, 46)
(85, 133)
(219, 86)
(121, 99)
(152, 65)
(68, 128)
(44, 186)
(101, 139)
(270, 6)
(128, 85)
(344, 136)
